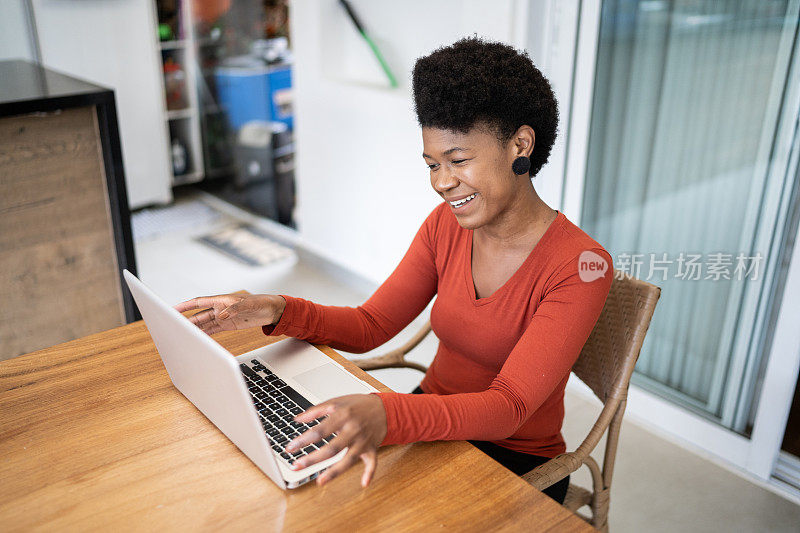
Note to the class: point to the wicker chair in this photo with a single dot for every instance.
(605, 364)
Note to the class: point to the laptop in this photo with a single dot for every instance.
(251, 398)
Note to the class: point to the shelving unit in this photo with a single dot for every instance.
(172, 45)
(227, 95)
(180, 113)
(183, 121)
(217, 141)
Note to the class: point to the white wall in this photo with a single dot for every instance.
(15, 40)
(552, 27)
(363, 188)
(114, 44)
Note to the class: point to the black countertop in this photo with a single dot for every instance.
(27, 87)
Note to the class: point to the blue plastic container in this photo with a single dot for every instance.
(280, 95)
(255, 93)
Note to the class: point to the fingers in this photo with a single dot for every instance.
(370, 459)
(207, 322)
(213, 329)
(203, 318)
(315, 411)
(228, 311)
(201, 302)
(326, 452)
(320, 431)
(350, 420)
(347, 461)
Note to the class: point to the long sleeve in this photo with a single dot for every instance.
(402, 297)
(539, 362)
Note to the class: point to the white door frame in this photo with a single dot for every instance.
(755, 457)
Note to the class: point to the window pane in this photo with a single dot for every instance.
(686, 108)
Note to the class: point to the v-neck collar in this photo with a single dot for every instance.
(470, 283)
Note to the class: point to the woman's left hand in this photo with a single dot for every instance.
(359, 422)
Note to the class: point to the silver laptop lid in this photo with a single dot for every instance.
(207, 374)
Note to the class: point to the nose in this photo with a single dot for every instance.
(444, 180)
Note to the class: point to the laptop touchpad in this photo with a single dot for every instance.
(329, 381)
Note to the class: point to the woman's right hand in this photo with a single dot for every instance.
(234, 311)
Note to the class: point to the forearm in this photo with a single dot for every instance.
(352, 329)
(401, 298)
(494, 414)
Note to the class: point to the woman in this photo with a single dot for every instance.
(512, 310)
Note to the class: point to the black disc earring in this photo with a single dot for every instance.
(521, 165)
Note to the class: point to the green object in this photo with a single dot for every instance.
(165, 32)
(392, 80)
(372, 45)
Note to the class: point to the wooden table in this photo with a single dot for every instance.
(94, 436)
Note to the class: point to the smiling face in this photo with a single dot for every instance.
(472, 171)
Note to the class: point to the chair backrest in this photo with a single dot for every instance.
(605, 364)
(607, 359)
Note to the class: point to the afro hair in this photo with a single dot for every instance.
(473, 81)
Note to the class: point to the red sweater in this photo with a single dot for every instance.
(503, 361)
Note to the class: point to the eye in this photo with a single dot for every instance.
(459, 161)
(433, 166)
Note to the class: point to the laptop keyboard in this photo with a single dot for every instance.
(277, 404)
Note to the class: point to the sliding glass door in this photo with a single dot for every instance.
(689, 181)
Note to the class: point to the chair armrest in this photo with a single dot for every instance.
(393, 359)
(553, 470)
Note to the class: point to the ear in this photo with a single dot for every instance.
(523, 141)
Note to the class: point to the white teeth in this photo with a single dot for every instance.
(462, 201)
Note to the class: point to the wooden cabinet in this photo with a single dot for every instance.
(64, 221)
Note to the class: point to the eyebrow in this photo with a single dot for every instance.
(450, 151)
